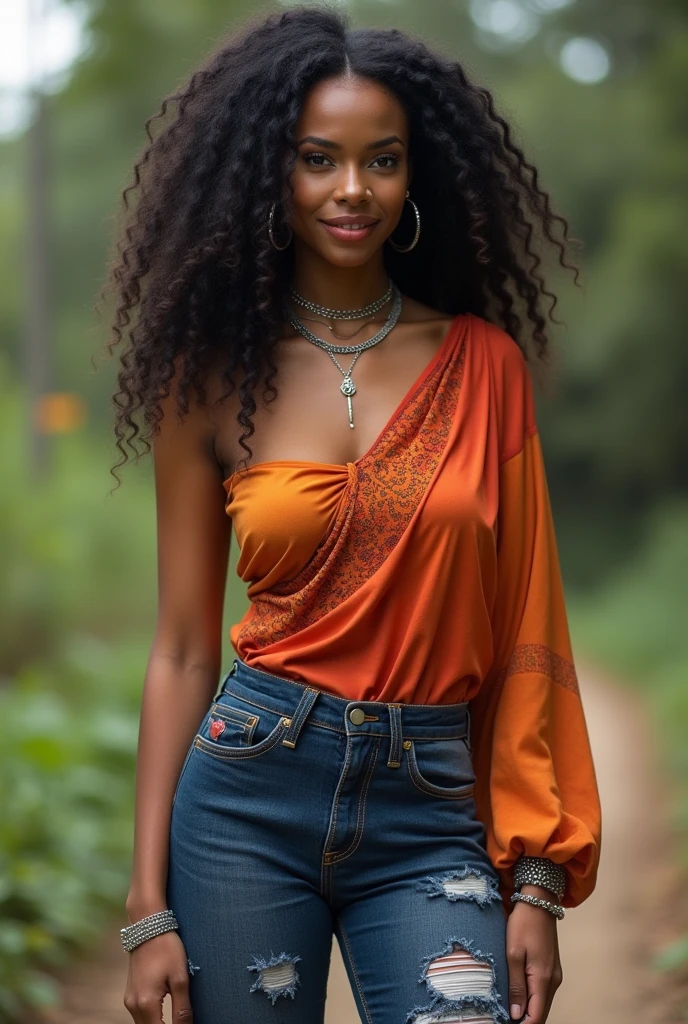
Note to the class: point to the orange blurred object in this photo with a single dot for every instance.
(59, 412)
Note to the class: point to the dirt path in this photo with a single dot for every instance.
(606, 944)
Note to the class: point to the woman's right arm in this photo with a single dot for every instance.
(182, 674)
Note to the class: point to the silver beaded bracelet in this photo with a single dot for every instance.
(543, 872)
(147, 928)
(553, 908)
(540, 871)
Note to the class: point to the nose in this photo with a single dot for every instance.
(351, 185)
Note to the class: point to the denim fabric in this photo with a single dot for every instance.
(298, 813)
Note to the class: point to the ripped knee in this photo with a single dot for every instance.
(277, 976)
(461, 983)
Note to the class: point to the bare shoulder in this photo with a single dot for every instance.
(423, 325)
(189, 423)
(417, 312)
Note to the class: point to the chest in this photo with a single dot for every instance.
(309, 420)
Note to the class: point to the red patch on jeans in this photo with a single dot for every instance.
(217, 727)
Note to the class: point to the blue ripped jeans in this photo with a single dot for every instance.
(298, 813)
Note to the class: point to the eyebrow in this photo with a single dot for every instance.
(328, 144)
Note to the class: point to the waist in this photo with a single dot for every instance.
(378, 718)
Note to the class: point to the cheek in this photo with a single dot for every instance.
(309, 193)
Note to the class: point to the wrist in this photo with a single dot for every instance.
(139, 905)
(148, 928)
(529, 889)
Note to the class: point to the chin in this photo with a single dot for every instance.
(350, 258)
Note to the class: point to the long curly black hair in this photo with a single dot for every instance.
(198, 284)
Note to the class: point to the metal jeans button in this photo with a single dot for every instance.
(357, 716)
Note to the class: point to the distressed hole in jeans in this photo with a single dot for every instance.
(467, 883)
(277, 975)
(461, 982)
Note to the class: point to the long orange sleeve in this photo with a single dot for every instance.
(536, 785)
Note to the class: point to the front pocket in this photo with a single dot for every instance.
(229, 726)
(235, 729)
(441, 768)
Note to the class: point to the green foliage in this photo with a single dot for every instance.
(68, 736)
(74, 558)
(79, 576)
(76, 618)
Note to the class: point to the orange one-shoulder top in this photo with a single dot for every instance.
(427, 572)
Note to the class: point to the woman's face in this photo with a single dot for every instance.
(352, 137)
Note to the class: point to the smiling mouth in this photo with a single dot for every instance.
(354, 232)
(350, 227)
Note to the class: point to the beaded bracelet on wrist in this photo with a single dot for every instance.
(147, 928)
(540, 871)
(553, 908)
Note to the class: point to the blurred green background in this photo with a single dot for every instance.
(598, 96)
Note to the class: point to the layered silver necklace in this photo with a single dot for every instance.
(347, 387)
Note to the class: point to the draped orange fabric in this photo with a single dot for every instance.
(427, 572)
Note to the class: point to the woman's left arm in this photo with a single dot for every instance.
(536, 788)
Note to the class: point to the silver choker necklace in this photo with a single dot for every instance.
(343, 314)
(347, 387)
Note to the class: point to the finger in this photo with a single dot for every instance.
(518, 993)
(148, 1009)
(537, 1000)
(549, 999)
(137, 1007)
(181, 1003)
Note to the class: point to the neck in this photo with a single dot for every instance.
(339, 287)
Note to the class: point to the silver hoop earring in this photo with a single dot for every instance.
(407, 248)
(271, 220)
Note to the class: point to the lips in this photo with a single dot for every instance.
(347, 227)
(350, 229)
(348, 221)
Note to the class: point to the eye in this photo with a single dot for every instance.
(387, 156)
(311, 156)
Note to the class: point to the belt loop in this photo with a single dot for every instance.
(308, 699)
(395, 740)
(468, 728)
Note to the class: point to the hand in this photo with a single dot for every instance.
(157, 967)
(532, 951)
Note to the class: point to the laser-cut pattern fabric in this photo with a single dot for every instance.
(435, 578)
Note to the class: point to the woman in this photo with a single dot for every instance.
(331, 257)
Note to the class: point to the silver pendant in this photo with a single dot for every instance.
(348, 388)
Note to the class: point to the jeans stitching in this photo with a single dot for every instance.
(247, 721)
(360, 818)
(352, 965)
(340, 784)
(333, 828)
(300, 716)
(337, 729)
(241, 753)
(459, 793)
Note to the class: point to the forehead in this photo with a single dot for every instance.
(351, 103)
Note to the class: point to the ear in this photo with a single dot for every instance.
(410, 173)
